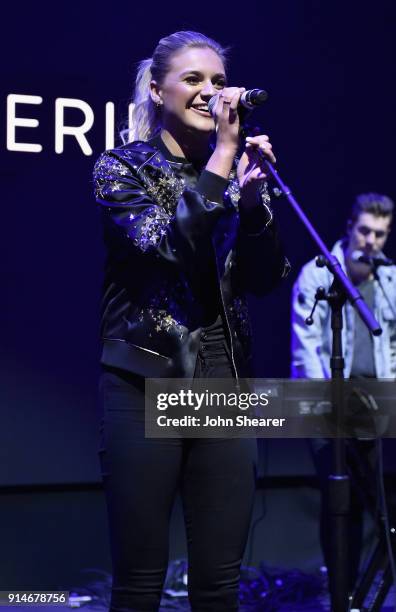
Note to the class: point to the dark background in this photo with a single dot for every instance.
(329, 70)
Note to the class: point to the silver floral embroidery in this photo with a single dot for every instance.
(234, 192)
(152, 228)
(98, 190)
(165, 189)
(106, 173)
(265, 196)
(266, 200)
(115, 186)
(108, 166)
(240, 314)
(286, 268)
(163, 321)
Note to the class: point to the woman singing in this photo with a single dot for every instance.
(188, 231)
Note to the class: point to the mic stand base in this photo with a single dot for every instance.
(338, 481)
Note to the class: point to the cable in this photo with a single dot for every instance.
(264, 458)
(385, 510)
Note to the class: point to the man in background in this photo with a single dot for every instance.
(361, 256)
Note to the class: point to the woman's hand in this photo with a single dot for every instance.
(227, 119)
(251, 168)
(227, 131)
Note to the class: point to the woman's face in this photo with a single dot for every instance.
(194, 76)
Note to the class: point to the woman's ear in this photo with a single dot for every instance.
(155, 93)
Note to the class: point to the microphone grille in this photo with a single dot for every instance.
(212, 103)
(356, 255)
(262, 96)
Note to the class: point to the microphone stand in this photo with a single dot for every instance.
(341, 290)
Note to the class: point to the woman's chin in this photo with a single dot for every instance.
(205, 129)
(201, 123)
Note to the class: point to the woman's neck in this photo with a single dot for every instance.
(195, 150)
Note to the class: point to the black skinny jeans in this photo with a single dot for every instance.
(141, 476)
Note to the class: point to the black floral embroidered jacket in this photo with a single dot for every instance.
(169, 231)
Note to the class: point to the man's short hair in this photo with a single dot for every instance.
(373, 203)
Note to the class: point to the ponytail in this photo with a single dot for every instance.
(144, 116)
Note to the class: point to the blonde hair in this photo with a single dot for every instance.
(145, 119)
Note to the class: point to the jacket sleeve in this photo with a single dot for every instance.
(307, 340)
(134, 223)
(262, 263)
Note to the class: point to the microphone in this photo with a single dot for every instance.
(372, 261)
(249, 100)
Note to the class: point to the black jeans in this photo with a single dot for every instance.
(141, 476)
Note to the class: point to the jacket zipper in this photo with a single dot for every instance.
(226, 317)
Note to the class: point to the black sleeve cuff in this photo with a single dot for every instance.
(212, 186)
(254, 220)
